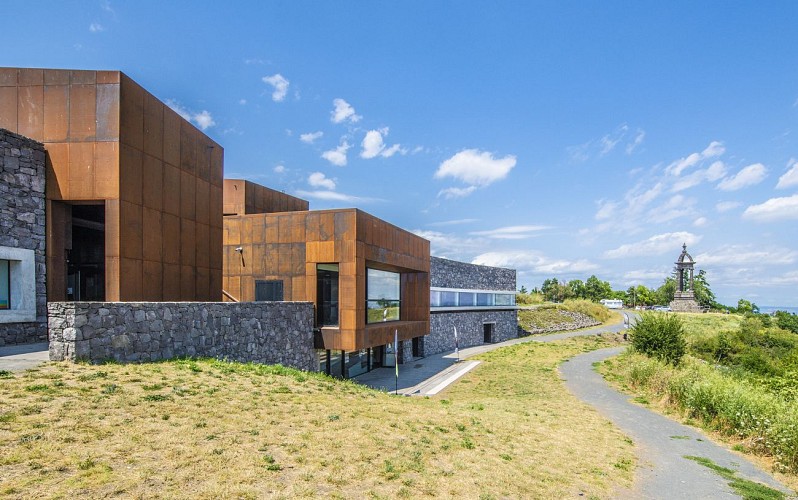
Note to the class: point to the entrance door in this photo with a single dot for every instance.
(487, 330)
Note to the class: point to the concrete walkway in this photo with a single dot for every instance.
(17, 358)
(429, 375)
(661, 442)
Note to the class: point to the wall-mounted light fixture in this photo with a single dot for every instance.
(240, 251)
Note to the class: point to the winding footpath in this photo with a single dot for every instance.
(661, 443)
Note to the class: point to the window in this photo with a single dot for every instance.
(270, 291)
(453, 298)
(383, 296)
(505, 299)
(5, 284)
(466, 299)
(327, 294)
(484, 299)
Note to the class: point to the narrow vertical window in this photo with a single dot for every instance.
(5, 284)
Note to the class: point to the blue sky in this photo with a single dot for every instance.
(562, 139)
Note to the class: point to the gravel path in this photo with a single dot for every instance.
(661, 443)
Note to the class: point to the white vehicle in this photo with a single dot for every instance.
(612, 303)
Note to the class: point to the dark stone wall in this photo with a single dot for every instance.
(445, 273)
(260, 332)
(22, 222)
(469, 329)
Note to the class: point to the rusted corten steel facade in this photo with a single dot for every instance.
(245, 197)
(289, 246)
(159, 179)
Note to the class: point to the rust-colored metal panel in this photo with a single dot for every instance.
(233, 197)
(297, 289)
(131, 113)
(8, 107)
(202, 201)
(130, 288)
(106, 170)
(57, 171)
(130, 172)
(217, 166)
(171, 282)
(202, 284)
(152, 182)
(202, 249)
(188, 242)
(56, 77)
(171, 136)
(81, 170)
(112, 237)
(107, 111)
(171, 189)
(215, 284)
(131, 230)
(327, 226)
(56, 113)
(153, 281)
(152, 231)
(153, 126)
(57, 220)
(79, 77)
(215, 210)
(246, 231)
(82, 112)
(31, 77)
(107, 77)
(112, 270)
(188, 193)
(9, 77)
(188, 147)
(170, 235)
(188, 282)
(30, 112)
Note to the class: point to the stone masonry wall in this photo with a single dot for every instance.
(469, 329)
(261, 332)
(445, 273)
(22, 221)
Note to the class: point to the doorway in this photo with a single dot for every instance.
(487, 331)
(86, 254)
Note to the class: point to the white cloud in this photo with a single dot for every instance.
(332, 196)
(700, 222)
(454, 192)
(725, 206)
(773, 209)
(638, 140)
(713, 173)
(533, 262)
(675, 207)
(477, 168)
(450, 244)
(790, 178)
(279, 169)
(280, 85)
(609, 141)
(511, 232)
(452, 222)
(374, 144)
(655, 245)
(642, 275)
(319, 180)
(202, 119)
(748, 176)
(606, 210)
(737, 255)
(96, 27)
(310, 137)
(337, 156)
(343, 112)
(714, 149)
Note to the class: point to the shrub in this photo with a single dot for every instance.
(659, 336)
(787, 321)
(529, 298)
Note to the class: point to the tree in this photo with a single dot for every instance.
(703, 294)
(666, 291)
(745, 306)
(595, 289)
(550, 289)
(523, 289)
(577, 288)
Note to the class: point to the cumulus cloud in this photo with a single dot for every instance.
(201, 119)
(310, 137)
(737, 255)
(280, 85)
(774, 209)
(748, 176)
(319, 180)
(96, 27)
(374, 144)
(533, 262)
(279, 169)
(713, 173)
(790, 178)
(714, 149)
(511, 232)
(455, 192)
(337, 156)
(343, 111)
(477, 168)
(656, 245)
(700, 222)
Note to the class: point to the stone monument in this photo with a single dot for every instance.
(684, 298)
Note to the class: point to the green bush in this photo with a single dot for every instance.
(787, 321)
(659, 336)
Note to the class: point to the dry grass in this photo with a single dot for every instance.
(208, 429)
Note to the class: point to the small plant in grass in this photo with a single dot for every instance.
(659, 336)
(6, 374)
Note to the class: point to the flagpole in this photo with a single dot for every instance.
(396, 357)
(456, 345)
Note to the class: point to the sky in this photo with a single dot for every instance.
(561, 139)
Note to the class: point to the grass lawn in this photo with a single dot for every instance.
(212, 429)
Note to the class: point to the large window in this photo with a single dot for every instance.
(458, 298)
(327, 294)
(383, 296)
(5, 284)
(269, 290)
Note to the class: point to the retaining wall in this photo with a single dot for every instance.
(261, 332)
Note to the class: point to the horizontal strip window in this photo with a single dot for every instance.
(454, 298)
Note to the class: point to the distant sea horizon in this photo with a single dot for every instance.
(771, 309)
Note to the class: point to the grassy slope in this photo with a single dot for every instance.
(209, 429)
(551, 314)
